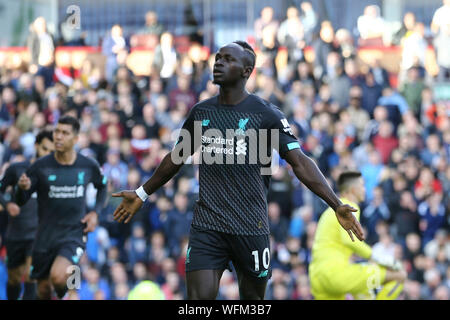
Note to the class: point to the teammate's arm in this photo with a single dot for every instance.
(9, 206)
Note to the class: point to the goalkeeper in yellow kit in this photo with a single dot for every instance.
(331, 272)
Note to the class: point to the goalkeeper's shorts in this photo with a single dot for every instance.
(331, 281)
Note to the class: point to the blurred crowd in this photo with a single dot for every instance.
(346, 114)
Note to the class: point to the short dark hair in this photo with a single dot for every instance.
(346, 178)
(44, 134)
(70, 121)
(250, 53)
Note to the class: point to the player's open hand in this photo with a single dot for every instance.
(13, 209)
(24, 182)
(349, 222)
(130, 204)
(91, 221)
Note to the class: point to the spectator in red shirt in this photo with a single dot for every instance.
(385, 141)
(427, 184)
(183, 94)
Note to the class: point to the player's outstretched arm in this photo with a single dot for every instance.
(309, 174)
(132, 200)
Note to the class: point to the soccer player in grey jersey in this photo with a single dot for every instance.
(60, 180)
(230, 218)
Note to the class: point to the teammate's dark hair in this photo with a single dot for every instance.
(44, 134)
(251, 55)
(71, 121)
(346, 178)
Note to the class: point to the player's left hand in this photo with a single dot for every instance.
(349, 222)
(13, 209)
(91, 220)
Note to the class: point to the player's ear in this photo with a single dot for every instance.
(247, 72)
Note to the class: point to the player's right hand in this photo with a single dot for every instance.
(130, 204)
(13, 209)
(344, 214)
(24, 182)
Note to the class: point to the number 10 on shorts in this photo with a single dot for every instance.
(265, 258)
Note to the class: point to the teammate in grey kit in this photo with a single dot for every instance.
(22, 223)
(230, 221)
(60, 180)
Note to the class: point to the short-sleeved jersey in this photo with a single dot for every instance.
(332, 244)
(61, 196)
(235, 144)
(23, 226)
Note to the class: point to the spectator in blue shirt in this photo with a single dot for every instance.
(432, 212)
(396, 105)
(371, 173)
(178, 223)
(92, 284)
(376, 211)
(136, 246)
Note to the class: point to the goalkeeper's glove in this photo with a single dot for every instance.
(387, 261)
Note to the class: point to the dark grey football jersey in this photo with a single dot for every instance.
(235, 147)
(61, 196)
(23, 226)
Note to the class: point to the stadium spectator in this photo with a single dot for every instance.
(278, 224)
(152, 25)
(71, 32)
(136, 246)
(182, 97)
(440, 17)
(408, 24)
(395, 104)
(412, 89)
(371, 26)
(309, 20)
(340, 86)
(266, 20)
(115, 169)
(291, 35)
(381, 75)
(93, 283)
(405, 216)
(359, 117)
(165, 58)
(376, 210)
(41, 46)
(442, 44)
(345, 43)
(322, 48)
(432, 213)
(176, 225)
(385, 141)
(413, 51)
(113, 43)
